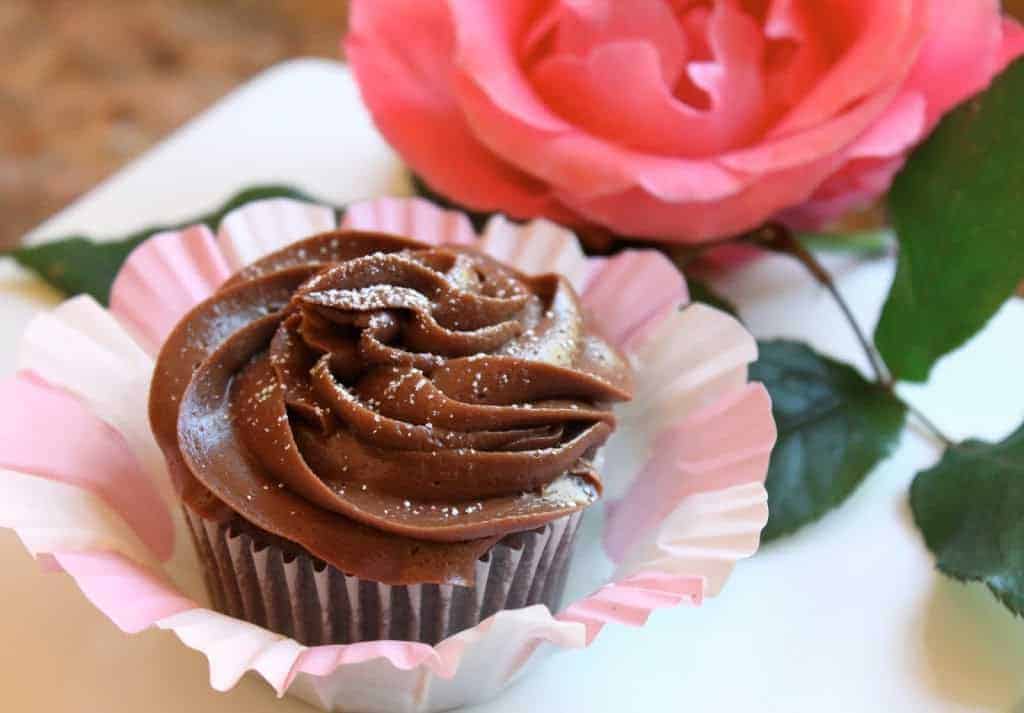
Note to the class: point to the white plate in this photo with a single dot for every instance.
(848, 615)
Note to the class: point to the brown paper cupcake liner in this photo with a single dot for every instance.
(314, 603)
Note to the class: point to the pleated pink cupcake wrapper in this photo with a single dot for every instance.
(684, 472)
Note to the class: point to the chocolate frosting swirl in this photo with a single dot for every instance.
(391, 407)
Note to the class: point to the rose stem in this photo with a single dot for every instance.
(779, 239)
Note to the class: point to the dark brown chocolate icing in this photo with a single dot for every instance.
(390, 407)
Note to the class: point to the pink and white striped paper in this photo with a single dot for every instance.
(684, 472)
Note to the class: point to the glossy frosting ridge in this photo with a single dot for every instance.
(391, 407)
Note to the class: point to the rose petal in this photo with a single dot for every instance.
(857, 185)
(1013, 43)
(405, 76)
(877, 46)
(588, 25)
(900, 127)
(822, 141)
(506, 114)
(967, 42)
(653, 119)
(733, 78)
(798, 55)
(693, 221)
(961, 54)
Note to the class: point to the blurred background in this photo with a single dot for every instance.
(87, 85)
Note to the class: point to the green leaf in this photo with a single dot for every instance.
(80, 265)
(958, 212)
(834, 427)
(702, 292)
(969, 506)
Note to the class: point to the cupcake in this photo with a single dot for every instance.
(683, 495)
(373, 438)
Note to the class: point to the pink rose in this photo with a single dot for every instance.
(678, 120)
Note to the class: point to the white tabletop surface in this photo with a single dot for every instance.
(848, 615)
